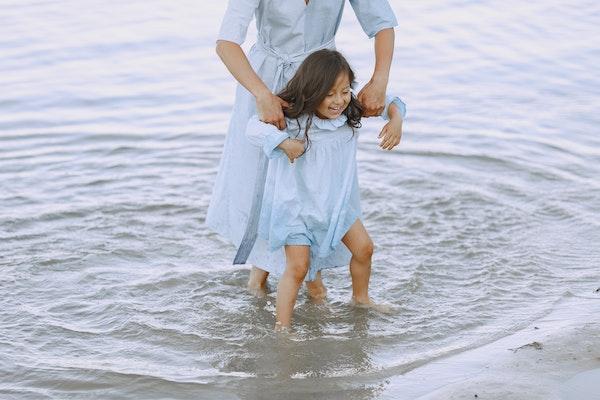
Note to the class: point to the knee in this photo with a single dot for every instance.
(365, 251)
(298, 270)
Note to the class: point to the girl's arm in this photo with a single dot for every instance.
(394, 107)
(266, 136)
(268, 105)
(394, 113)
(273, 142)
(372, 95)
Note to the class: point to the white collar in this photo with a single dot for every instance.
(324, 124)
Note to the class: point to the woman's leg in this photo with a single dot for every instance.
(316, 290)
(297, 263)
(257, 282)
(360, 245)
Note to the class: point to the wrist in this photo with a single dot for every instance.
(283, 144)
(396, 119)
(262, 93)
(380, 80)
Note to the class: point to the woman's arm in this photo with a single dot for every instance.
(268, 105)
(372, 95)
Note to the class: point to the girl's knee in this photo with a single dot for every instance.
(365, 250)
(298, 269)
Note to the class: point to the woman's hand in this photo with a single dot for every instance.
(270, 109)
(372, 98)
(292, 148)
(391, 133)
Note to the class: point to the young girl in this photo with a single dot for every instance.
(311, 201)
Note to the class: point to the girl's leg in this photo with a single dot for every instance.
(297, 263)
(257, 282)
(316, 290)
(360, 245)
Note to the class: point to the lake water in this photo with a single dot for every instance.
(112, 122)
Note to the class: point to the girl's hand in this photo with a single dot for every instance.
(372, 98)
(292, 148)
(391, 133)
(270, 109)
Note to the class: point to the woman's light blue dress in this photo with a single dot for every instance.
(287, 32)
(316, 199)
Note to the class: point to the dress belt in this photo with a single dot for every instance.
(282, 75)
(284, 61)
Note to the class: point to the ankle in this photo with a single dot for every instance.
(280, 327)
(361, 299)
(257, 278)
(254, 284)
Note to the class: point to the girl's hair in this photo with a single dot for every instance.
(311, 84)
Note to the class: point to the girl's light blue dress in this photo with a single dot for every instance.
(316, 199)
(287, 32)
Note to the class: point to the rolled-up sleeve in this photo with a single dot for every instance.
(374, 15)
(266, 136)
(236, 20)
(395, 100)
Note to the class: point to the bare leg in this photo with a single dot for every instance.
(360, 245)
(297, 263)
(316, 290)
(257, 282)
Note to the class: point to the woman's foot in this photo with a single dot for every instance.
(257, 282)
(317, 292)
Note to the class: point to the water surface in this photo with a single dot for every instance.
(112, 123)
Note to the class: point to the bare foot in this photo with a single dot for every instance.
(317, 292)
(259, 292)
(282, 330)
(257, 282)
(369, 303)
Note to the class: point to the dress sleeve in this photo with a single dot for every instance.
(266, 136)
(374, 15)
(399, 103)
(235, 22)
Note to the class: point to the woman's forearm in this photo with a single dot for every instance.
(268, 106)
(384, 52)
(238, 65)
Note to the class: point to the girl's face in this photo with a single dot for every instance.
(337, 98)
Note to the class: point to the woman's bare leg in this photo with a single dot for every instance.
(316, 290)
(360, 245)
(297, 263)
(257, 282)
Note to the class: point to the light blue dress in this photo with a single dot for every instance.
(287, 32)
(316, 199)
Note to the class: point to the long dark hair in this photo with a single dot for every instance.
(312, 82)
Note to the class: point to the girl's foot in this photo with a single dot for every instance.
(280, 328)
(369, 303)
(257, 282)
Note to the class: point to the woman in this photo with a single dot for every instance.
(287, 32)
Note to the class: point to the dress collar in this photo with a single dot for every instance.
(324, 124)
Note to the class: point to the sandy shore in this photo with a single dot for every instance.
(556, 357)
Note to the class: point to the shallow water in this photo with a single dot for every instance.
(112, 124)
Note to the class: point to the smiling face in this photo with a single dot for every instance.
(337, 99)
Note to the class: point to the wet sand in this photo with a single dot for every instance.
(555, 357)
